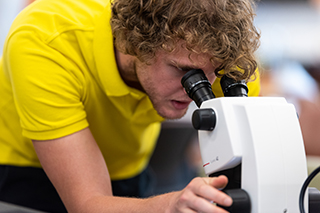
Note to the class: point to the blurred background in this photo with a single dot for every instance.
(289, 58)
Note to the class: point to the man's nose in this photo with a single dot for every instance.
(184, 91)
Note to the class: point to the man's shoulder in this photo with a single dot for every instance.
(55, 16)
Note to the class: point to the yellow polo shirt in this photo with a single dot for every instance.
(58, 75)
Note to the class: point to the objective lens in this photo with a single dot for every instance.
(197, 86)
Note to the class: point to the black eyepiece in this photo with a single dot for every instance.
(197, 86)
(232, 88)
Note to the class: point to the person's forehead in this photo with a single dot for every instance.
(186, 59)
(188, 64)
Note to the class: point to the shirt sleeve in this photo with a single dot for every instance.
(47, 87)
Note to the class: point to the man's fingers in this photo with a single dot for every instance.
(199, 204)
(207, 188)
(218, 182)
(199, 193)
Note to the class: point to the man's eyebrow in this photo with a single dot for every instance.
(184, 67)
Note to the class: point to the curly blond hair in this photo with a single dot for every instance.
(222, 28)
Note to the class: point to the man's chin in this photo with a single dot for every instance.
(173, 115)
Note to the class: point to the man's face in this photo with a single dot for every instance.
(161, 80)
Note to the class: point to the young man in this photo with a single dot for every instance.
(85, 84)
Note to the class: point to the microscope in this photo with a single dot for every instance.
(256, 142)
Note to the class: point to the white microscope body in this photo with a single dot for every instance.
(255, 141)
(263, 135)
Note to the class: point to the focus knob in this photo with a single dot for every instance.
(204, 119)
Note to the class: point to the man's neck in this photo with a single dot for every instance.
(126, 67)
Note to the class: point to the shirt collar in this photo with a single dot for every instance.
(107, 74)
(107, 70)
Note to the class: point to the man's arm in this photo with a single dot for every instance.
(78, 171)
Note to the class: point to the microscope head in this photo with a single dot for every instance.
(199, 89)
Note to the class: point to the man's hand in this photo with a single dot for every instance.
(199, 195)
